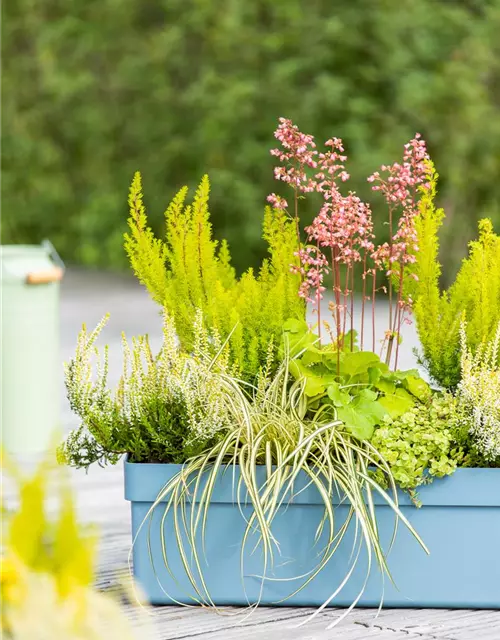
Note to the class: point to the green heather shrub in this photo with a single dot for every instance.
(189, 271)
(475, 294)
(465, 451)
(166, 408)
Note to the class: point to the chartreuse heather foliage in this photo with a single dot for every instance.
(190, 271)
(475, 294)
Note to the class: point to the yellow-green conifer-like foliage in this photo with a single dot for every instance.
(475, 294)
(190, 270)
(147, 254)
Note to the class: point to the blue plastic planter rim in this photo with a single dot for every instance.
(467, 487)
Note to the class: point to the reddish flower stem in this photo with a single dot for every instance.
(352, 306)
(336, 290)
(374, 274)
(389, 348)
(363, 303)
(297, 221)
(344, 310)
(399, 315)
(318, 306)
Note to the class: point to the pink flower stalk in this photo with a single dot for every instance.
(343, 228)
(331, 166)
(400, 190)
(277, 201)
(401, 252)
(313, 267)
(298, 152)
(400, 186)
(344, 224)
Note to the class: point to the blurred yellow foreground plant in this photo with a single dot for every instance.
(48, 569)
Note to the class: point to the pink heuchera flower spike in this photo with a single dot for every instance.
(298, 152)
(400, 189)
(277, 201)
(341, 235)
(313, 267)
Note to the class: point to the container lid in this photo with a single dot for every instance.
(32, 264)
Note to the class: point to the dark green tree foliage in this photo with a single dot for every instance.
(95, 89)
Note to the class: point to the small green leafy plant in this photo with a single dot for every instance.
(353, 386)
(419, 444)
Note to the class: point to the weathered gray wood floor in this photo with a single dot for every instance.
(85, 298)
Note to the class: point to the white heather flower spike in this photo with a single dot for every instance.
(479, 393)
(193, 386)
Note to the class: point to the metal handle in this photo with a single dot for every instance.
(44, 277)
(51, 250)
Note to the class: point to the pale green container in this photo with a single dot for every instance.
(30, 357)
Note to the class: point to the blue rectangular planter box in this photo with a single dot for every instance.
(459, 522)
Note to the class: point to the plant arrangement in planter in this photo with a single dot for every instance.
(271, 460)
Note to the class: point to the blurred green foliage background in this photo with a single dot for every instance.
(96, 89)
